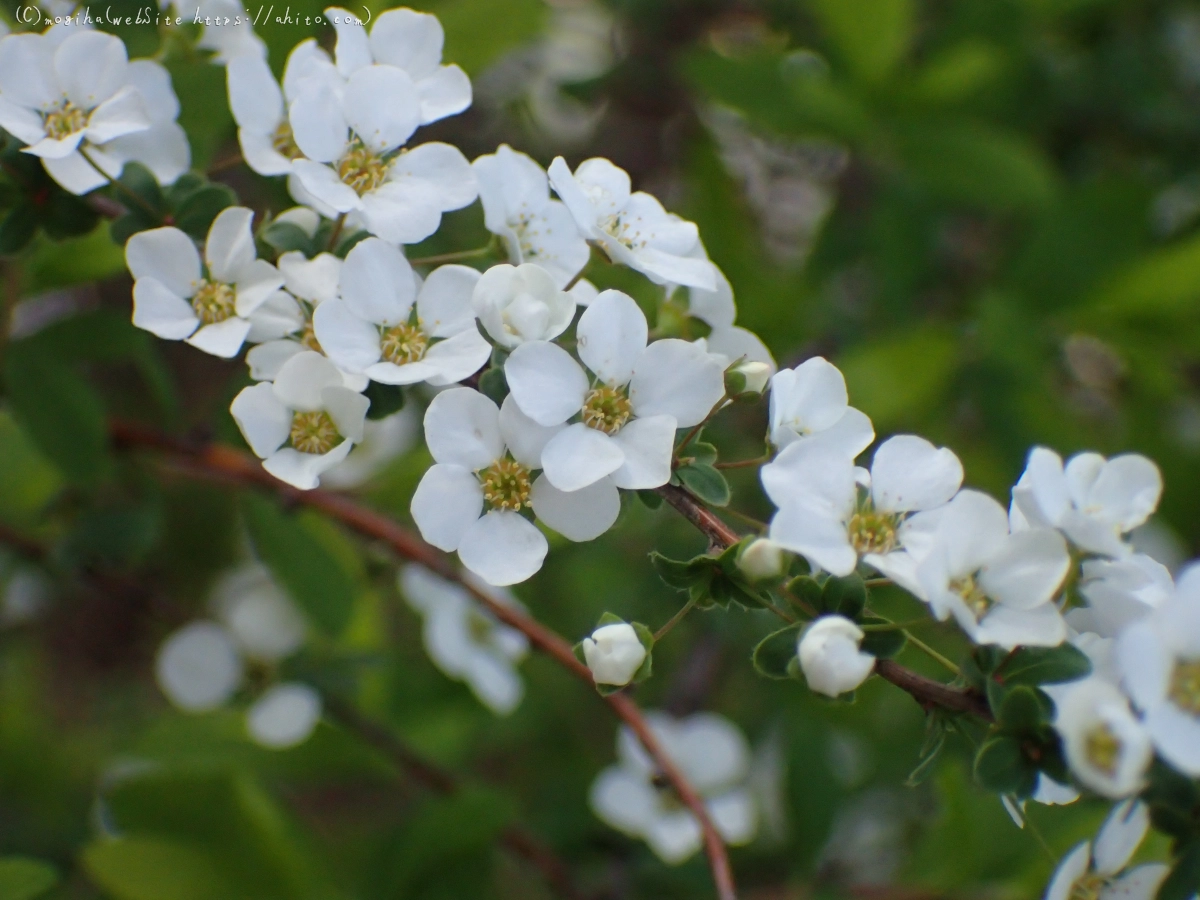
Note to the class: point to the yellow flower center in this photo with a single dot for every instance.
(1088, 887)
(284, 141)
(873, 532)
(314, 432)
(308, 336)
(362, 168)
(505, 485)
(623, 232)
(1102, 748)
(64, 121)
(403, 344)
(607, 409)
(214, 302)
(1185, 686)
(977, 601)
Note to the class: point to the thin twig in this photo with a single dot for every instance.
(674, 620)
(224, 464)
(743, 463)
(441, 258)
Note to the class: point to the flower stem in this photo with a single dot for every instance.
(337, 231)
(893, 626)
(674, 620)
(743, 463)
(930, 652)
(440, 258)
(691, 435)
(123, 189)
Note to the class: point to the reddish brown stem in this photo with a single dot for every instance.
(220, 463)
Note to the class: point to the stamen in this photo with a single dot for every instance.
(505, 485)
(873, 532)
(607, 409)
(362, 168)
(214, 302)
(314, 432)
(284, 141)
(402, 344)
(64, 121)
(977, 601)
(1103, 749)
(1185, 686)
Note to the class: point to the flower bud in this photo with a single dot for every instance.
(749, 376)
(830, 656)
(762, 560)
(522, 303)
(614, 653)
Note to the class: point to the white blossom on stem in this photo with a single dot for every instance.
(163, 147)
(517, 207)
(304, 423)
(521, 303)
(614, 653)
(383, 326)
(998, 586)
(1100, 869)
(67, 100)
(825, 517)
(175, 298)
(624, 415)
(471, 500)
(831, 658)
(632, 228)
(1107, 748)
(465, 640)
(284, 716)
(1119, 592)
(810, 403)
(711, 753)
(1094, 501)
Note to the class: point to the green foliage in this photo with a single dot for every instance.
(775, 655)
(314, 578)
(710, 580)
(25, 879)
(190, 204)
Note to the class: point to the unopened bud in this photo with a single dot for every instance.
(614, 653)
(762, 560)
(747, 377)
(830, 656)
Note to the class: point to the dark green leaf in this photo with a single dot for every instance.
(701, 453)
(385, 399)
(706, 483)
(678, 573)
(804, 593)
(931, 748)
(773, 653)
(312, 576)
(1000, 766)
(1184, 880)
(195, 215)
(1044, 665)
(650, 499)
(66, 216)
(287, 236)
(1024, 709)
(884, 644)
(492, 384)
(845, 596)
(25, 879)
(18, 228)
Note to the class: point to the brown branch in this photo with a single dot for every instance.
(514, 838)
(17, 542)
(220, 463)
(926, 691)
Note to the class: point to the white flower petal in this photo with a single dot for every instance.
(23, 124)
(161, 312)
(264, 421)
(806, 472)
(624, 800)
(910, 474)
(314, 280)
(495, 682)
(230, 245)
(816, 535)
(1176, 736)
(254, 95)
(1028, 571)
(441, 167)
(27, 76)
(546, 382)
(91, 67)
(612, 335)
(316, 184)
(581, 515)
(348, 409)
(382, 126)
(458, 357)
(648, 444)
(524, 437)
(502, 548)
(353, 50)
(408, 39)
(444, 301)
(198, 667)
(304, 470)
(351, 342)
(1127, 490)
(167, 255)
(377, 283)
(1120, 836)
(75, 174)
(1073, 867)
(223, 339)
(444, 92)
(319, 125)
(303, 378)
(446, 503)
(284, 716)
(124, 113)
(579, 456)
(462, 427)
(1005, 627)
(676, 378)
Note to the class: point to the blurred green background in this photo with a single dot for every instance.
(984, 211)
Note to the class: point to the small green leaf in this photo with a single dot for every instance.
(385, 399)
(1001, 767)
(493, 385)
(774, 653)
(147, 197)
(931, 748)
(650, 499)
(1044, 665)
(677, 573)
(310, 574)
(706, 483)
(845, 596)
(1184, 879)
(18, 228)
(197, 212)
(883, 644)
(872, 36)
(24, 879)
(701, 453)
(1024, 709)
(285, 237)
(804, 593)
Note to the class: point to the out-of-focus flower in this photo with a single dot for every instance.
(284, 716)
(1106, 747)
(1100, 868)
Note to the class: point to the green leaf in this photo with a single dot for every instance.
(677, 573)
(774, 653)
(311, 575)
(1024, 708)
(1184, 879)
(59, 264)
(882, 644)
(59, 410)
(196, 213)
(27, 479)
(18, 228)
(478, 32)
(650, 499)
(385, 399)
(1001, 767)
(805, 594)
(931, 748)
(1165, 283)
(896, 378)
(706, 483)
(701, 453)
(871, 36)
(287, 236)
(845, 596)
(493, 385)
(159, 869)
(1044, 665)
(24, 879)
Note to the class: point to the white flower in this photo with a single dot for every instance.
(763, 560)
(198, 667)
(257, 613)
(521, 303)
(210, 308)
(383, 441)
(823, 517)
(1159, 660)
(1107, 749)
(284, 716)
(349, 138)
(374, 326)
(230, 31)
(809, 403)
(259, 105)
(830, 656)
(411, 41)
(1120, 591)
(1100, 869)
(632, 228)
(303, 423)
(517, 206)
(614, 653)
(712, 755)
(162, 148)
(465, 640)
(471, 500)
(65, 100)
(1094, 501)
(998, 586)
(628, 412)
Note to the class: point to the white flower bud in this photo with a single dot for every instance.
(830, 656)
(757, 374)
(762, 560)
(522, 303)
(614, 653)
